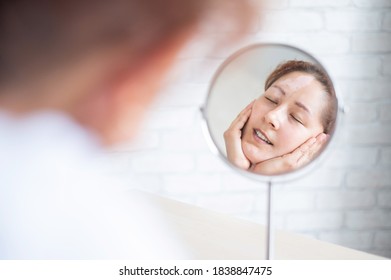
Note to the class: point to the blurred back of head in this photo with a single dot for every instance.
(39, 35)
(100, 62)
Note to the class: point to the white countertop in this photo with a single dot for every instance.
(211, 235)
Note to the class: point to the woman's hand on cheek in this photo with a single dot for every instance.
(294, 160)
(233, 141)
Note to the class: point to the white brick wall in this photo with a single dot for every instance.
(340, 200)
(386, 70)
(382, 240)
(384, 199)
(319, 3)
(366, 91)
(349, 66)
(352, 20)
(363, 112)
(294, 201)
(373, 42)
(385, 158)
(371, 219)
(283, 20)
(372, 3)
(361, 240)
(364, 177)
(348, 199)
(314, 221)
(387, 21)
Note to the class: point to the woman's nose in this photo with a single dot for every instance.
(273, 118)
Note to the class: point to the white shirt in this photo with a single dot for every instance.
(55, 204)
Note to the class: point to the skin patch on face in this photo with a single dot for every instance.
(296, 83)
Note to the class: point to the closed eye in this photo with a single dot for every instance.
(271, 100)
(296, 119)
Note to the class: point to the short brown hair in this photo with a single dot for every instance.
(329, 114)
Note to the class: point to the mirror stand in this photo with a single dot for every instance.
(269, 233)
(268, 69)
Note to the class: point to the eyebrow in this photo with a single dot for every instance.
(302, 106)
(280, 89)
(297, 103)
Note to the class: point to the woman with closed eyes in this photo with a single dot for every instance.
(288, 125)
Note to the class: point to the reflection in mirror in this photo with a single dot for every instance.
(271, 109)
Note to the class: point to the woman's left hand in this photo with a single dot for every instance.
(294, 160)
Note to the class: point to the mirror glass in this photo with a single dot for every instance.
(271, 110)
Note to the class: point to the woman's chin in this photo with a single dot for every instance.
(253, 154)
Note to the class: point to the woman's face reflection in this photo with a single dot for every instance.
(286, 127)
(284, 117)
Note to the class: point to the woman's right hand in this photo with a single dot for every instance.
(233, 141)
(296, 159)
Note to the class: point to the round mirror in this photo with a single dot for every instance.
(271, 111)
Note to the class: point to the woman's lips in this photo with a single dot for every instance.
(261, 137)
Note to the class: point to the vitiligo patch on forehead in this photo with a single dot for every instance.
(294, 84)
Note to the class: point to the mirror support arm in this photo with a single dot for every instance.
(269, 234)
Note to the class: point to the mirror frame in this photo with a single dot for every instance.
(290, 176)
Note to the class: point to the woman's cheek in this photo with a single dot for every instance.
(290, 140)
(259, 109)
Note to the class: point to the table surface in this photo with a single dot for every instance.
(212, 235)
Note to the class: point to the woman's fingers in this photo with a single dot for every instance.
(307, 151)
(294, 160)
(311, 148)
